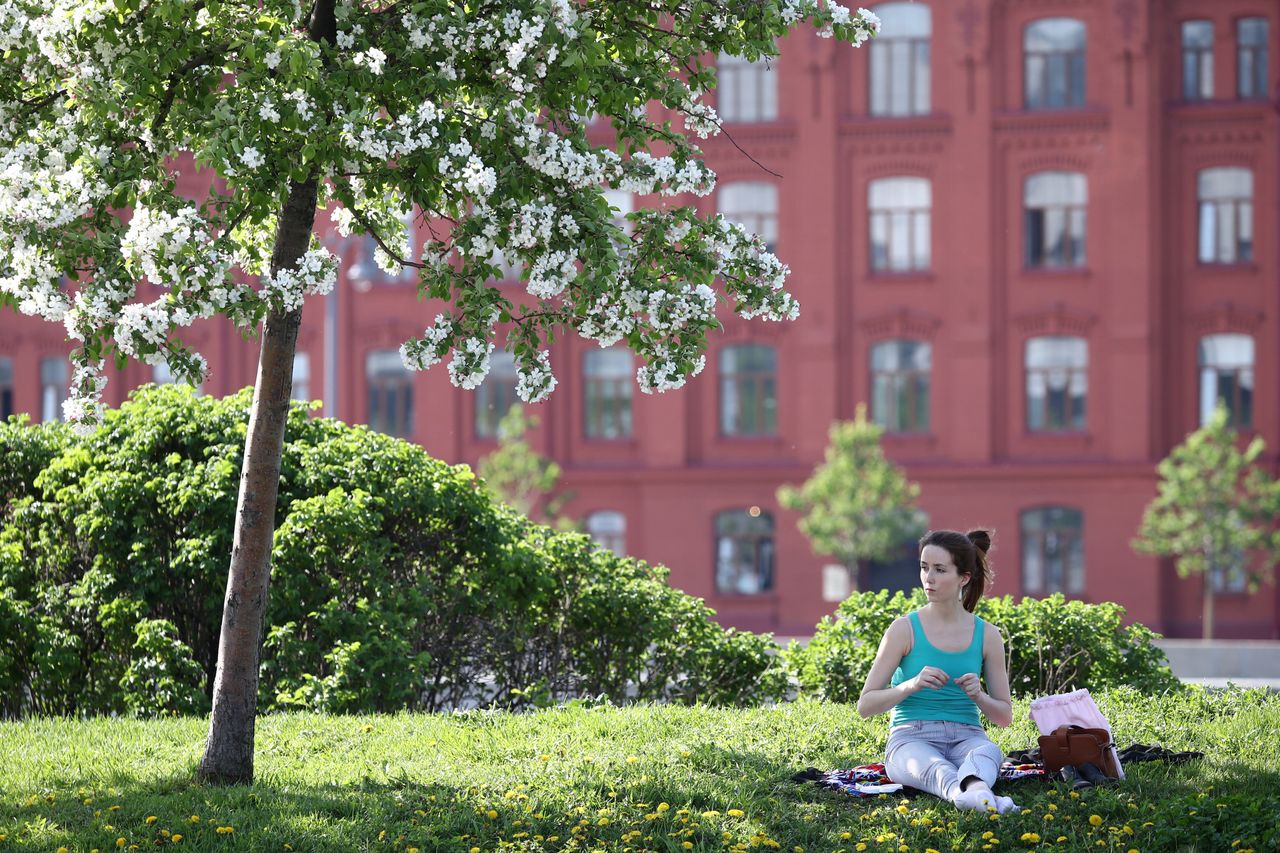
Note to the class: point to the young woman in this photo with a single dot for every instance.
(927, 673)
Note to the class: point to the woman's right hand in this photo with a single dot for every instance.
(930, 677)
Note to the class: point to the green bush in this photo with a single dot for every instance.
(1052, 645)
(396, 583)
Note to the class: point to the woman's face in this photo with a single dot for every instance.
(938, 574)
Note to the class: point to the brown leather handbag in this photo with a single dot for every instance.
(1077, 746)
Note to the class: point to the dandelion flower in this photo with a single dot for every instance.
(902, 809)
(151, 819)
(1030, 836)
(736, 813)
(845, 836)
(120, 842)
(176, 837)
(1095, 820)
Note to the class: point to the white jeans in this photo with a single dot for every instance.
(937, 755)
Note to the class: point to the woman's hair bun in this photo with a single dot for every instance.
(981, 539)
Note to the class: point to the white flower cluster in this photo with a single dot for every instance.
(669, 311)
(662, 373)
(607, 323)
(461, 166)
(699, 117)
(534, 380)
(421, 353)
(647, 174)
(157, 243)
(374, 136)
(83, 407)
(551, 273)
(470, 364)
(315, 274)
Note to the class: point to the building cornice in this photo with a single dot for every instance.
(901, 323)
(1226, 316)
(1057, 319)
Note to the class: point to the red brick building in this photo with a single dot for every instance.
(1037, 237)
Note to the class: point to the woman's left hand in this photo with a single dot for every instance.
(970, 683)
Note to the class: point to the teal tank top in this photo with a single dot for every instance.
(948, 702)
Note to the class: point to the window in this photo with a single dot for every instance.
(1054, 204)
(747, 91)
(609, 530)
(496, 394)
(1054, 71)
(1230, 577)
(1251, 57)
(54, 379)
(754, 206)
(606, 393)
(898, 211)
(6, 388)
(622, 203)
(748, 390)
(161, 373)
(900, 60)
(1052, 551)
(1226, 215)
(744, 552)
(390, 393)
(900, 385)
(1197, 60)
(1226, 377)
(1057, 383)
(366, 269)
(301, 377)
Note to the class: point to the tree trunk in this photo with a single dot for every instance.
(228, 756)
(1206, 619)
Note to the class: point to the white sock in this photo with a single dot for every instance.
(977, 799)
(1004, 805)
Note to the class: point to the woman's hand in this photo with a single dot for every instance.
(970, 684)
(930, 677)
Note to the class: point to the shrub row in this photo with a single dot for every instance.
(396, 584)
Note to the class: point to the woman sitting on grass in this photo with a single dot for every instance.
(926, 671)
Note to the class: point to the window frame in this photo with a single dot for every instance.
(764, 383)
(1235, 209)
(900, 380)
(1072, 58)
(53, 389)
(499, 384)
(762, 547)
(1071, 421)
(732, 202)
(1241, 406)
(384, 390)
(743, 104)
(888, 97)
(613, 540)
(887, 215)
(1037, 219)
(614, 418)
(1258, 56)
(1197, 58)
(1070, 581)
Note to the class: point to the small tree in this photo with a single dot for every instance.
(857, 505)
(1215, 512)
(520, 476)
(471, 117)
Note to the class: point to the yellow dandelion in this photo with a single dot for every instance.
(120, 842)
(860, 846)
(710, 814)
(114, 809)
(151, 818)
(845, 836)
(988, 835)
(631, 759)
(176, 838)
(1095, 820)
(492, 814)
(902, 809)
(1031, 837)
(412, 850)
(195, 818)
(1062, 838)
(737, 813)
(545, 757)
(687, 845)
(662, 807)
(930, 850)
(62, 850)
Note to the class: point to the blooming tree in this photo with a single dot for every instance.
(470, 116)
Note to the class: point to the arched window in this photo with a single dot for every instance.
(1226, 215)
(1197, 60)
(609, 530)
(899, 76)
(1053, 50)
(1054, 205)
(748, 390)
(608, 376)
(1226, 377)
(746, 91)
(744, 552)
(900, 385)
(496, 394)
(1057, 383)
(390, 393)
(1052, 550)
(754, 206)
(898, 215)
(6, 388)
(1251, 57)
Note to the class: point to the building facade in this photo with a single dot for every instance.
(1036, 238)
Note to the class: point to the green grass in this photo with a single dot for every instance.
(586, 779)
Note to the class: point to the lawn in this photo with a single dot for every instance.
(604, 778)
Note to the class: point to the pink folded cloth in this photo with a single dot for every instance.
(1076, 708)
